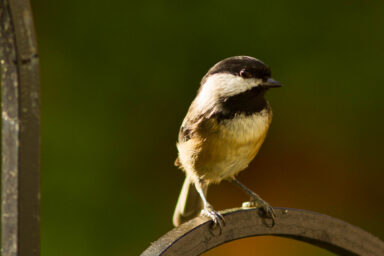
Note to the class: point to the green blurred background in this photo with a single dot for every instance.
(117, 78)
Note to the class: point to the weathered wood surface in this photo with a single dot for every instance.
(195, 237)
(20, 216)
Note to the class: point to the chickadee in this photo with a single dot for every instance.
(222, 132)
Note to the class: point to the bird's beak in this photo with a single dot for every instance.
(270, 83)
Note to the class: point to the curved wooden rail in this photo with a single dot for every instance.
(196, 236)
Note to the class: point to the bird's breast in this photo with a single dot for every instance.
(232, 146)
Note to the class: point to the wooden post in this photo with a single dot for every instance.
(20, 195)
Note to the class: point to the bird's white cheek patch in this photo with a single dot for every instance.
(222, 85)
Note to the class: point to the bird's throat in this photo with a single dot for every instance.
(247, 103)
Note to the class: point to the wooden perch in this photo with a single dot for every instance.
(196, 236)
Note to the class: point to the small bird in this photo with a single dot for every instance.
(222, 132)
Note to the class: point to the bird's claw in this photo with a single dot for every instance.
(266, 210)
(217, 218)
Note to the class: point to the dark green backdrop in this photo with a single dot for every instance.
(117, 78)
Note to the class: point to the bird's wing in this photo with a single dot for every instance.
(202, 125)
(196, 125)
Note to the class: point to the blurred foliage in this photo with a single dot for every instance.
(117, 79)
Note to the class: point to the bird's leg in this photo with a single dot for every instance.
(256, 201)
(217, 218)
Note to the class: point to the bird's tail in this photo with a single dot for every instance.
(189, 204)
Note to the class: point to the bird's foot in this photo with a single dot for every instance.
(266, 210)
(217, 218)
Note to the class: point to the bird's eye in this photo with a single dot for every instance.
(245, 74)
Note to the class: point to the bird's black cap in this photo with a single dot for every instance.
(245, 66)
